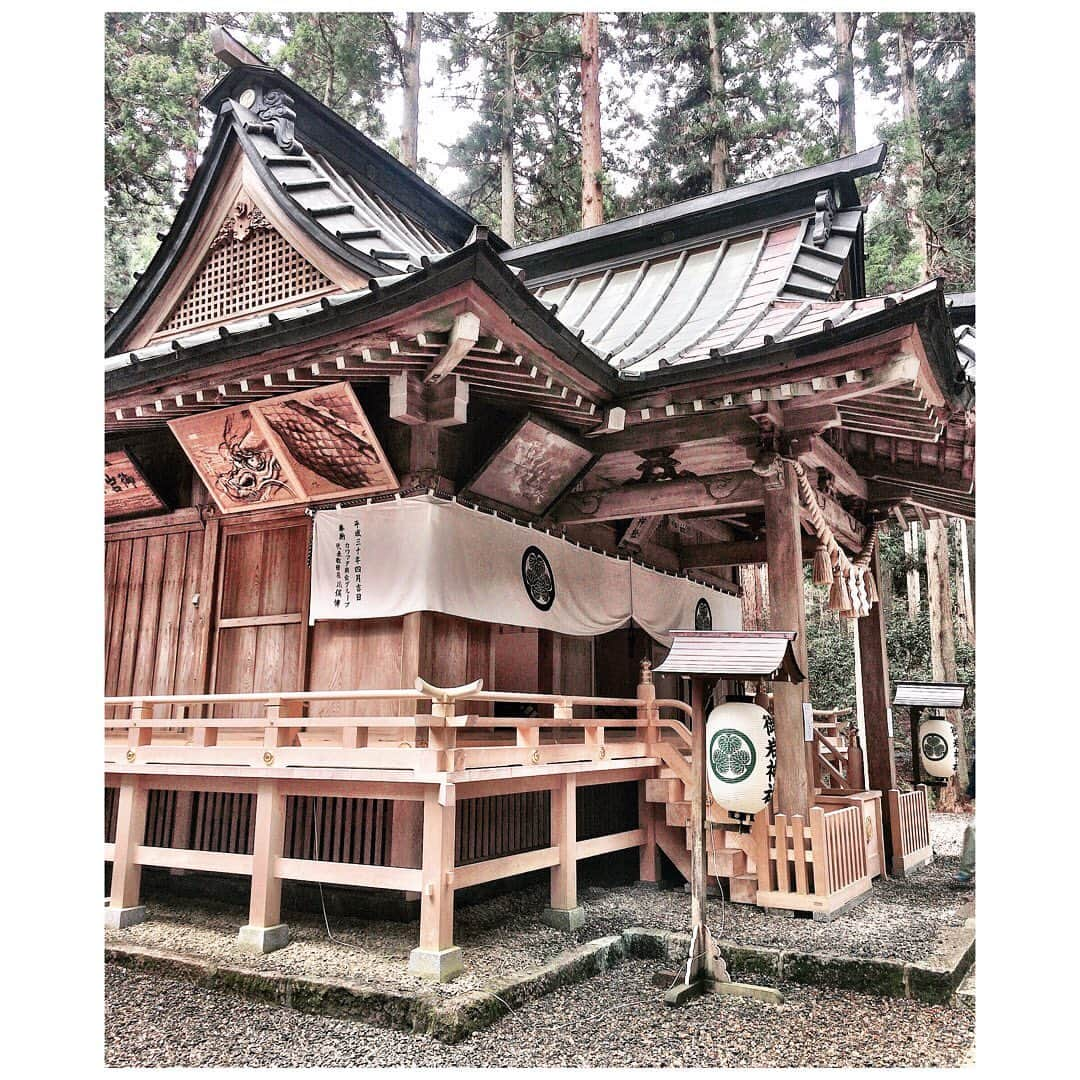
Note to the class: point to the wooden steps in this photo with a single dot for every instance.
(726, 858)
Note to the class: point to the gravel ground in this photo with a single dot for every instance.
(501, 936)
(906, 920)
(158, 1021)
(912, 919)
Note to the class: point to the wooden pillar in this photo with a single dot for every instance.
(873, 677)
(265, 931)
(564, 912)
(437, 957)
(698, 866)
(783, 546)
(406, 822)
(124, 909)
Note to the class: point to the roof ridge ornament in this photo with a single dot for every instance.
(279, 119)
(824, 213)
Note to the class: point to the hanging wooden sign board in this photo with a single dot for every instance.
(127, 491)
(306, 447)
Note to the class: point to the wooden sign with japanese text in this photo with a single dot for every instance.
(127, 491)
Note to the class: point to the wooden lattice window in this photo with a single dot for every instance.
(250, 267)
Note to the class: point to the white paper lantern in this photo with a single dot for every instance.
(740, 756)
(937, 747)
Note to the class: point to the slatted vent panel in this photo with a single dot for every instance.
(349, 830)
(160, 815)
(496, 825)
(244, 276)
(112, 799)
(223, 821)
(603, 809)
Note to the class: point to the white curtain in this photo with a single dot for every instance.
(428, 554)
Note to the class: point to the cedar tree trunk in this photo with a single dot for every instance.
(592, 200)
(410, 73)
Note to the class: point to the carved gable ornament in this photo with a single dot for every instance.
(244, 218)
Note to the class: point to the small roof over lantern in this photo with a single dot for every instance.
(932, 694)
(763, 654)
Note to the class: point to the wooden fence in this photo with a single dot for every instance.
(909, 822)
(816, 866)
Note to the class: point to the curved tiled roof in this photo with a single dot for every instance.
(340, 204)
(718, 298)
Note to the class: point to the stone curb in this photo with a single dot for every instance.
(934, 982)
(423, 1012)
(451, 1022)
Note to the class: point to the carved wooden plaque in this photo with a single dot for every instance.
(305, 447)
(532, 468)
(127, 491)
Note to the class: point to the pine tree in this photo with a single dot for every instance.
(924, 218)
(158, 66)
(727, 108)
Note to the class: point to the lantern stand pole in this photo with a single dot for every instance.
(915, 711)
(706, 971)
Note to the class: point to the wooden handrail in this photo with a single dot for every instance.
(270, 697)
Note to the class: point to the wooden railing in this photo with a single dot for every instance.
(815, 866)
(837, 755)
(909, 822)
(446, 740)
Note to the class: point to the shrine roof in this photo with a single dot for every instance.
(335, 185)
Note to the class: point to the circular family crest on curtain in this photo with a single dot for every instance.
(740, 742)
(703, 615)
(937, 747)
(538, 578)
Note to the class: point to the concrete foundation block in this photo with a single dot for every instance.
(117, 918)
(263, 939)
(442, 966)
(564, 919)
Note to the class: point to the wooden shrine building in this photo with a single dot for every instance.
(394, 514)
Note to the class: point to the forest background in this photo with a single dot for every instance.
(542, 123)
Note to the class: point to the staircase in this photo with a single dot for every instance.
(728, 850)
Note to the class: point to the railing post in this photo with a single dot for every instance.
(437, 957)
(648, 853)
(856, 776)
(124, 908)
(564, 912)
(265, 931)
(820, 845)
(442, 739)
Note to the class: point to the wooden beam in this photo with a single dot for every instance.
(873, 675)
(725, 423)
(464, 334)
(442, 404)
(798, 418)
(908, 473)
(818, 454)
(741, 489)
(845, 526)
(733, 553)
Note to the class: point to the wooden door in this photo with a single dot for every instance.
(261, 635)
(155, 630)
